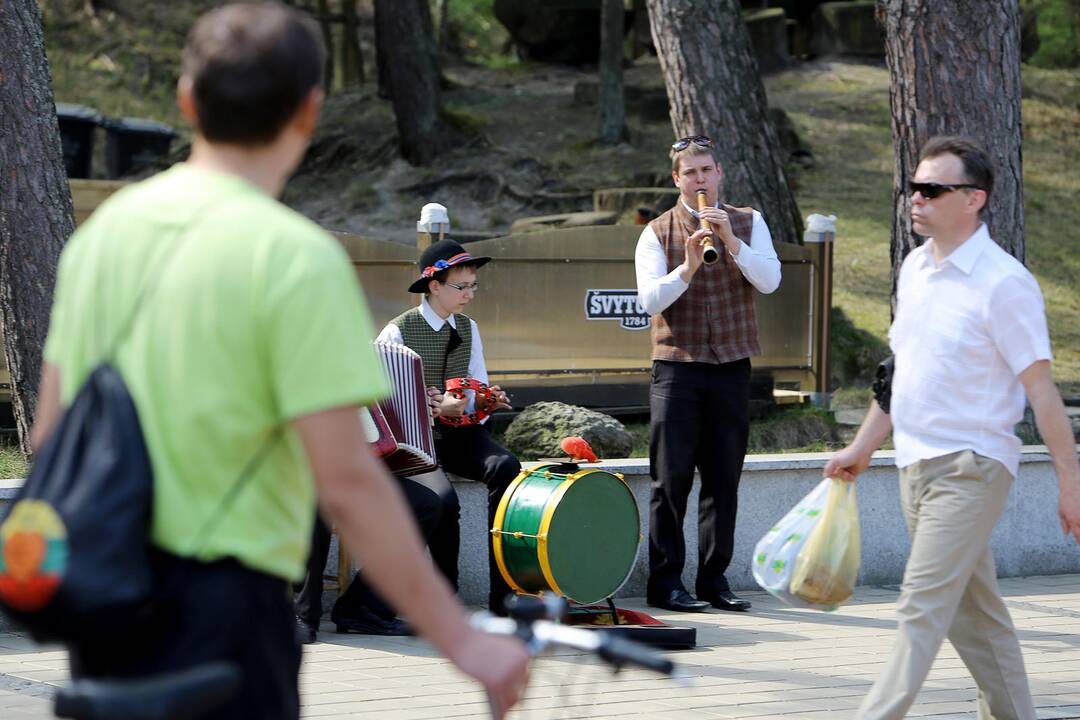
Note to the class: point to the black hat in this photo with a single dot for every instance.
(441, 256)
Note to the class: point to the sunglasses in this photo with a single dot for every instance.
(475, 287)
(683, 143)
(931, 190)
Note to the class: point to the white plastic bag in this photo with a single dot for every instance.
(828, 564)
(775, 554)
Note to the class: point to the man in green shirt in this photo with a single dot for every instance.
(249, 348)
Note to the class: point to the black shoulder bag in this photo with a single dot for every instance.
(882, 387)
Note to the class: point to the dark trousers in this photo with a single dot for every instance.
(426, 506)
(700, 418)
(470, 452)
(210, 611)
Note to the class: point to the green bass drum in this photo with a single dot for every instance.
(569, 531)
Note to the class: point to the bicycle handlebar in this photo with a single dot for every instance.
(174, 696)
(539, 634)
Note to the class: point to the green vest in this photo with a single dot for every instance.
(431, 346)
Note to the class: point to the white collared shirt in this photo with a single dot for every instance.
(477, 367)
(964, 330)
(658, 288)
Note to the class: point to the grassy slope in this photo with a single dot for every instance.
(842, 113)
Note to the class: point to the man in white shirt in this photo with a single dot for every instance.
(969, 340)
(704, 331)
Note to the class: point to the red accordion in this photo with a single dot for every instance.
(399, 427)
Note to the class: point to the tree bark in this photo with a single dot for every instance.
(612, 102)
(955, 70)
(328, 40)
(352, 61)
(1076, 23)
(410, 60)
(36, 213)
(715, 89)
(444, 25)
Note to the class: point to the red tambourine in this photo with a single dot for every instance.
(486, 402)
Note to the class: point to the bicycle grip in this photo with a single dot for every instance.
(620, 651)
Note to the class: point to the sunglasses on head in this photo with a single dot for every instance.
(931, 190)
(683, 143)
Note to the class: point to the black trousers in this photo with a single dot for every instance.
(470, 452)
(700, 419)
(210, 611)
(426, 506)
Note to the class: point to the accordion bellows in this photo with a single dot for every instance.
(399, 427)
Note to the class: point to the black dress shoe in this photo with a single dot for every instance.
(365, 622)
(726, 600)
(305, 631)
(679, 600)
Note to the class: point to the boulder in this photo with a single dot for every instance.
(561, 31)
(847, 28)
(769, 37)
(537, 431)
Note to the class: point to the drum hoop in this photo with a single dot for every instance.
(496, 534)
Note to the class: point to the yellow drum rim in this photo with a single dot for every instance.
(496, 537)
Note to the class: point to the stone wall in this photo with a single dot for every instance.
(1027, 541)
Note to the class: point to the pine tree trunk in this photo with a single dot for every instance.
(1076, 23)
(715, 89)
(955, 70)
(352, 61)
(444, 25)
(382, 73)
(36, 214)
(328, 40)
(612, 103)
(411, 62)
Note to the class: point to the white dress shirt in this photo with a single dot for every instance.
(964, 330)
(658, 288)
(477, 367)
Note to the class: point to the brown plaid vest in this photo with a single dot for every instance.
(715, 320)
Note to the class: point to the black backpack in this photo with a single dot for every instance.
(75, 559)
(74, 556)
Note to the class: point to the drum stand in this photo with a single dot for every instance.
(644, 629)
(587, 611)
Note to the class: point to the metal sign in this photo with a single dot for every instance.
(621, 305)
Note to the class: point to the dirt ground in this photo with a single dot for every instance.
(528, 150)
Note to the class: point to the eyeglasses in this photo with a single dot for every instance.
(931, 190)
(475, 287)
(683, 143)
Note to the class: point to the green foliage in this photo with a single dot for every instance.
(854, 353)
(12, 463)
(362, 195)
(1057, 34)
(475, 32)
(800, 428)
(467, 122)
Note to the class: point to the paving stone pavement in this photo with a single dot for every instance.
(774, 662)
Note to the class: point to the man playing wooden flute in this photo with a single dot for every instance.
(704, 330)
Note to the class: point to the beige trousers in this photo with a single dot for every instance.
(951, 504)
